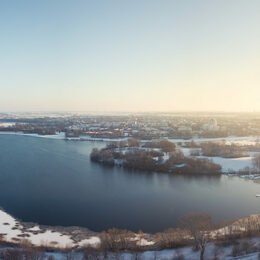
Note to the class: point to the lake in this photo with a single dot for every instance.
(53, 182)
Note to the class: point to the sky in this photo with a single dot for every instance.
(131, 55)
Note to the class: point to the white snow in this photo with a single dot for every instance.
(60, 135)
(144, 242)
(35, 228)
(51, 238)
(180, 165)
(230, 139)
(11, 229)
(4, 124)
(227, 164)
(166, 157)
(231, 164)
(7, 222)
(92, 241)
(89, 138)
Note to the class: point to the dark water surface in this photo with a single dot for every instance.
(53, 182)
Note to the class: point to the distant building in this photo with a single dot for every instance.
(211, 126)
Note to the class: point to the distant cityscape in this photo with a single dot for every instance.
(141, 126)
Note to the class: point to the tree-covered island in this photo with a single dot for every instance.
(155, 156)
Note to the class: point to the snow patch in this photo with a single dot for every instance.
(14, 231)
(92, 241)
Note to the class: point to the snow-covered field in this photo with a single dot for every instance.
(231, 164)
(243, 140)
(227, 164)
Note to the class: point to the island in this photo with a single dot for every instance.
(156, 156)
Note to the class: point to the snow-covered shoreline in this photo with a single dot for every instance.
(15, 231)
(59, 136)
(242, 140)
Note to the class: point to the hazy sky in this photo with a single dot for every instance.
(130, 55)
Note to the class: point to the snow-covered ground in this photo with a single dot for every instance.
(60, 135)
(231, 164)
(227, 164)
(187, 253)
(89, 138)
(4, 124)
(14, 231)
(243, 140)
(223, 253)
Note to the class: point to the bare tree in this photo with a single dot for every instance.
(116, 239)
(132, 142)
(199, 227)
(122, 144)
(171, 238)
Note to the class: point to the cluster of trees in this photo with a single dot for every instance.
(145, 135)
(193, 228)
(140, 160)
(201, 166)
(103, 156)
(21, 254)
(25, 252)
(131, 142)
(152, 160)
(177, 163)
(165, 145)
(196, 229)
(215, 134)
(117, 240)
(191, 144)
(223, 150)
(34, 128)
(180, 164)
(175, 134)
(176, 158)
(199, 227)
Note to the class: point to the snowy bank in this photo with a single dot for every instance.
(14, 231)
